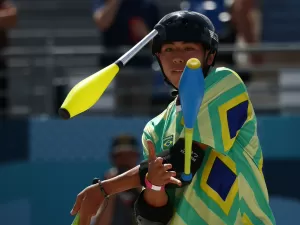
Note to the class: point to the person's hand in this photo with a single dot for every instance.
(158, 173)
(87, 203)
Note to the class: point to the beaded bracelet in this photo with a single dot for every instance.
(102, 189)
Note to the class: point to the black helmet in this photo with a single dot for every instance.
(186, 26)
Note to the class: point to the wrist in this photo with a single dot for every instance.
(107, 187)
(123, 182)
(101, 187)
(150, 185)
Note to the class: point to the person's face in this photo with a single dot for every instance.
(174, 55)
(126, 159)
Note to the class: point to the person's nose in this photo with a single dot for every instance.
(178, 60)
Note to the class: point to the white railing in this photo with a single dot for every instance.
(51, 56)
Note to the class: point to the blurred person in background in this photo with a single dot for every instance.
(233, 19)
(244, 14)
(8, 19)
(124, 156)
(123, 23)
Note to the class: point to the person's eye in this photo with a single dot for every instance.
(168, 49)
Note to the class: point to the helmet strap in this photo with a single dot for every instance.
(207, 67)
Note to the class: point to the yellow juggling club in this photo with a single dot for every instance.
(88, 91)
(191, 92)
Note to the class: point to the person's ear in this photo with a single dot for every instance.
(211, 58)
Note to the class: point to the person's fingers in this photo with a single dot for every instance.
(77, 204)
(167, 166)
(85, 213)
(84, 219)
(173, 180)
(159, 161)
(167, 175)
(157, 164)
(151, 150)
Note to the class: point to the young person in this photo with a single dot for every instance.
(228, 185)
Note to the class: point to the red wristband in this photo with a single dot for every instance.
(152, 186)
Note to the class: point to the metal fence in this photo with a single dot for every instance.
(41, 76)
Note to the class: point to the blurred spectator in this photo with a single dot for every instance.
(124, 155)
(244, 20)
(123, 23)
(8, 19)
(232, 19)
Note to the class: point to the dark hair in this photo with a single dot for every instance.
(124, 142)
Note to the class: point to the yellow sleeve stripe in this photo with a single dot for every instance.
(248, 195)
(200, 207)
(246, 220)
(223, 109)
(219, 88)
(259, 177)
(226, 204)
(145, 147)
(177, 220)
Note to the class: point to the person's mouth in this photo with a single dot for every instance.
(177, 71)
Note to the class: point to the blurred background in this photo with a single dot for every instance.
(47, 46)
